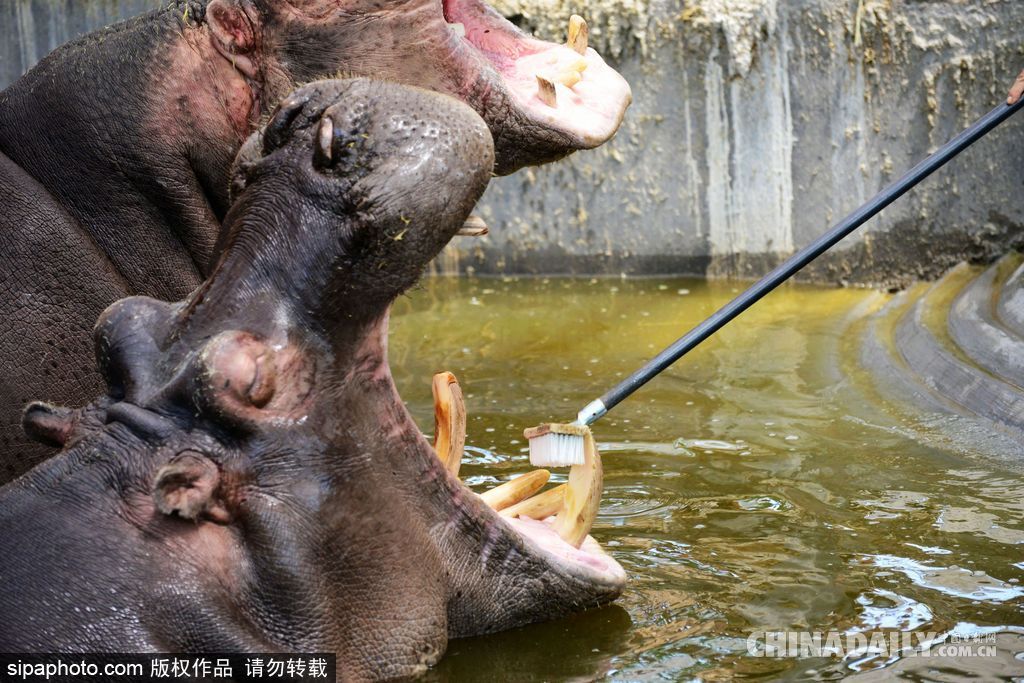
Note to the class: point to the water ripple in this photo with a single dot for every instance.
(623, 502)
(882, 609)
(955, 581)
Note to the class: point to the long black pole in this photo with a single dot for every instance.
(792, 265)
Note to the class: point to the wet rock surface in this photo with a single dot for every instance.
(954, 348)
(31, 29)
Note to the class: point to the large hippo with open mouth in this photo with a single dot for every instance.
(115, 150)
(251, 480)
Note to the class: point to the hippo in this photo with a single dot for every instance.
(250, 480)
(116, 149)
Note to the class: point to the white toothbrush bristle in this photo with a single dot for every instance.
(557, 450)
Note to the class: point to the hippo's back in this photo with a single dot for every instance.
(54, 283)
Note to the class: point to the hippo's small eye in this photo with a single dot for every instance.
(334, 147)
(245, 160)
(261, 388)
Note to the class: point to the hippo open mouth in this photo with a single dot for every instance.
(568, 88)
(589, 559)
(555, 523)
(541, 101)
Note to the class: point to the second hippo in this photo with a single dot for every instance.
(251, 480)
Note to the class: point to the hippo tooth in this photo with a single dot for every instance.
(568, 77)
(541, 506)
(582, 496)
(519, 489)
(449, 421)
(458, 29)
(577, 34)
(473, 227)
(546, 91)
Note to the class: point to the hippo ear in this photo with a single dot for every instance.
(48, 424)
(234, 34)
(189, 487)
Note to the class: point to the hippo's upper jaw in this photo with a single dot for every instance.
(566, 89)
(253, 480)
(540, 100)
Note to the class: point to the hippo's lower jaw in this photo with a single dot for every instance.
(589, 562)
(555, 523)
(512, 556)
(567, 89)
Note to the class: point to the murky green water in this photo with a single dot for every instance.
(759, 485)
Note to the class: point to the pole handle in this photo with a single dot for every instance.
(799, 260)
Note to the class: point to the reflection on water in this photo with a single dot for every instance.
(759, 485)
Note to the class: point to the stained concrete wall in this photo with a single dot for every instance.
(29, 29)
(755, 124)
(758, 123)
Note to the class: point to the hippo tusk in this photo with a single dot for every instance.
(449, 421)
(578, 34)
(568, 77)
(519, 489)
(541, 506)
(546, 91)
(473, 227)
(582, 496)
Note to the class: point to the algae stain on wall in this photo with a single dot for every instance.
(749, 151)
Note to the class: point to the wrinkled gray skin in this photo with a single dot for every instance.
(115, 153)
(251, 479)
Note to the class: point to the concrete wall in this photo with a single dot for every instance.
(755, 124)
(758, 123)
(29, 29)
